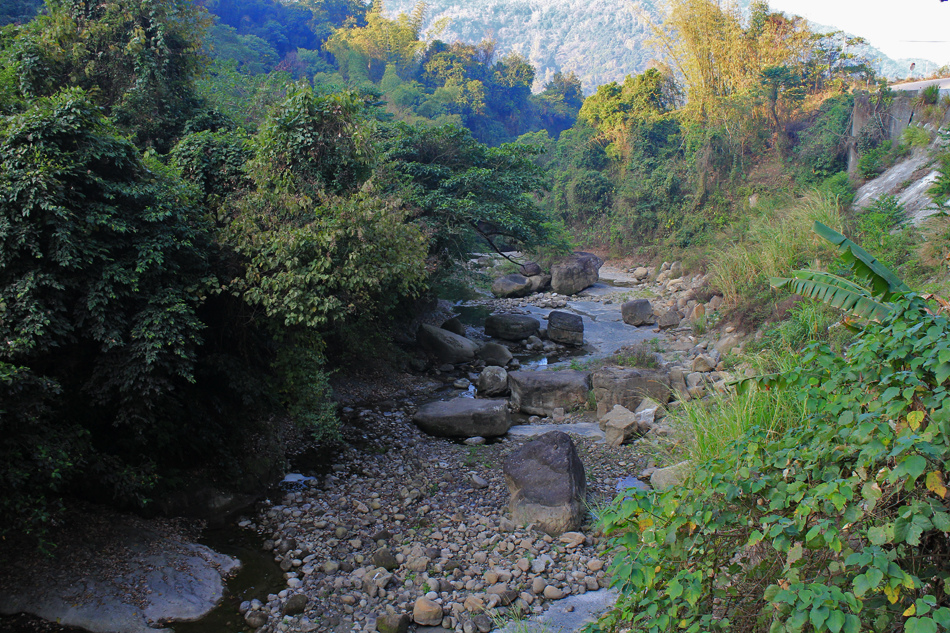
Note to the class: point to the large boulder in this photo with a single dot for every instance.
(566, 328)
(577, 272)
(448, 347)
(529, 269)
(494, 354)
(539, 283)
(511, 286)
(547, 484)
(541, 392)
(637, 312)
(464, 417)
(628, 387)
(493, 381)
(511, 327)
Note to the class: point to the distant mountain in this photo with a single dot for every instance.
(600, 40)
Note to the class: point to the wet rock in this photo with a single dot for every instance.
(547, 484)
(464, 417)
(511, 327)
(628, 387)
(511, 286)
(255, 619)
(493, 381)
(494, 354)
(637, 312)
(295, 605)
(448, 347)
(577, 272)
(566, 328)
(540, 392)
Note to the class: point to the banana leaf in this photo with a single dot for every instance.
(884, 283)
(835, 291)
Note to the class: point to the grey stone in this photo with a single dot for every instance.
(620, 424)
(384, 558)
(547, 484)
(511, 327)
(628, 387)
(392, 623)
(641, 273)
(540, 392)
(703, 363)
(464, 417)
(666, 478)
(539, 283)
(493, 381)
(454, 326)
(511, 286)
(530, 269)
(295, 605)
(566, 328)
(727, 343)
(670, 318)
(694, 379)
(494, 354)
(637, 312)
(575, 273)
(255, 619)
(448, 347)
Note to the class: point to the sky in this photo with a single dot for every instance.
(899, 28)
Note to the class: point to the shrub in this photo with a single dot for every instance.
(839, 524)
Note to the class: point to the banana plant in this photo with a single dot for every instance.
(866, 302)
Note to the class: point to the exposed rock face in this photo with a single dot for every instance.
(566, 328)
(464, 417)
(494, 354)
(448, 347)
(575, 273)
(547, 484)
(511, 327)
(541, 392)
(627, 387)
(637, 312)
(493, 381)
(511, 286)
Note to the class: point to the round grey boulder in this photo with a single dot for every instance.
(575, 273)
(494, 354)
(637, 312)
(511, 327)
(493, 381)
(566, 328)
(464, 417)
(511, 286)
(448, 347)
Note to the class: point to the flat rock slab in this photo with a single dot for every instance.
(583, 429)
(464, 417)
(570, 614)
(157, 579)
(540, 392)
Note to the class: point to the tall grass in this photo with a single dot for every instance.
(777, 241)
(713, 425)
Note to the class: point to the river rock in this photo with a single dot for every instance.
(494, 354)
(575, 273)
(541, 392)
(493, 381)
(697, 313)
(670, 318)
(295, 605)
(637, 312)
(392, 623)
(511, 327)
(714, 303)
(448, 347)
(676, 270)
(566, 328)
(703, 363)
(454, 326)
(547, 484)
(628, 387)
(384, 558)
(641, 273)
(511, 286)
(256, 619)
(539, 283)
(666, 478)
(464, 417)
(620, 424)
(530, 269)
(427, 612)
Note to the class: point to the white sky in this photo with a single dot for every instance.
(900, 28)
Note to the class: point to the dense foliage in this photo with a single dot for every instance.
(839, 524)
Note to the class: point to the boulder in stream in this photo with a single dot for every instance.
(495, 354)
(628, 387)
(511, 327)
(493, 381)
(637, 312)
(511, 286)
(464, 417)
(541, 392)
(566, 328)
(448, 347)
(575, 273)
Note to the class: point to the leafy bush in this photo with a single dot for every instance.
(839, 524)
